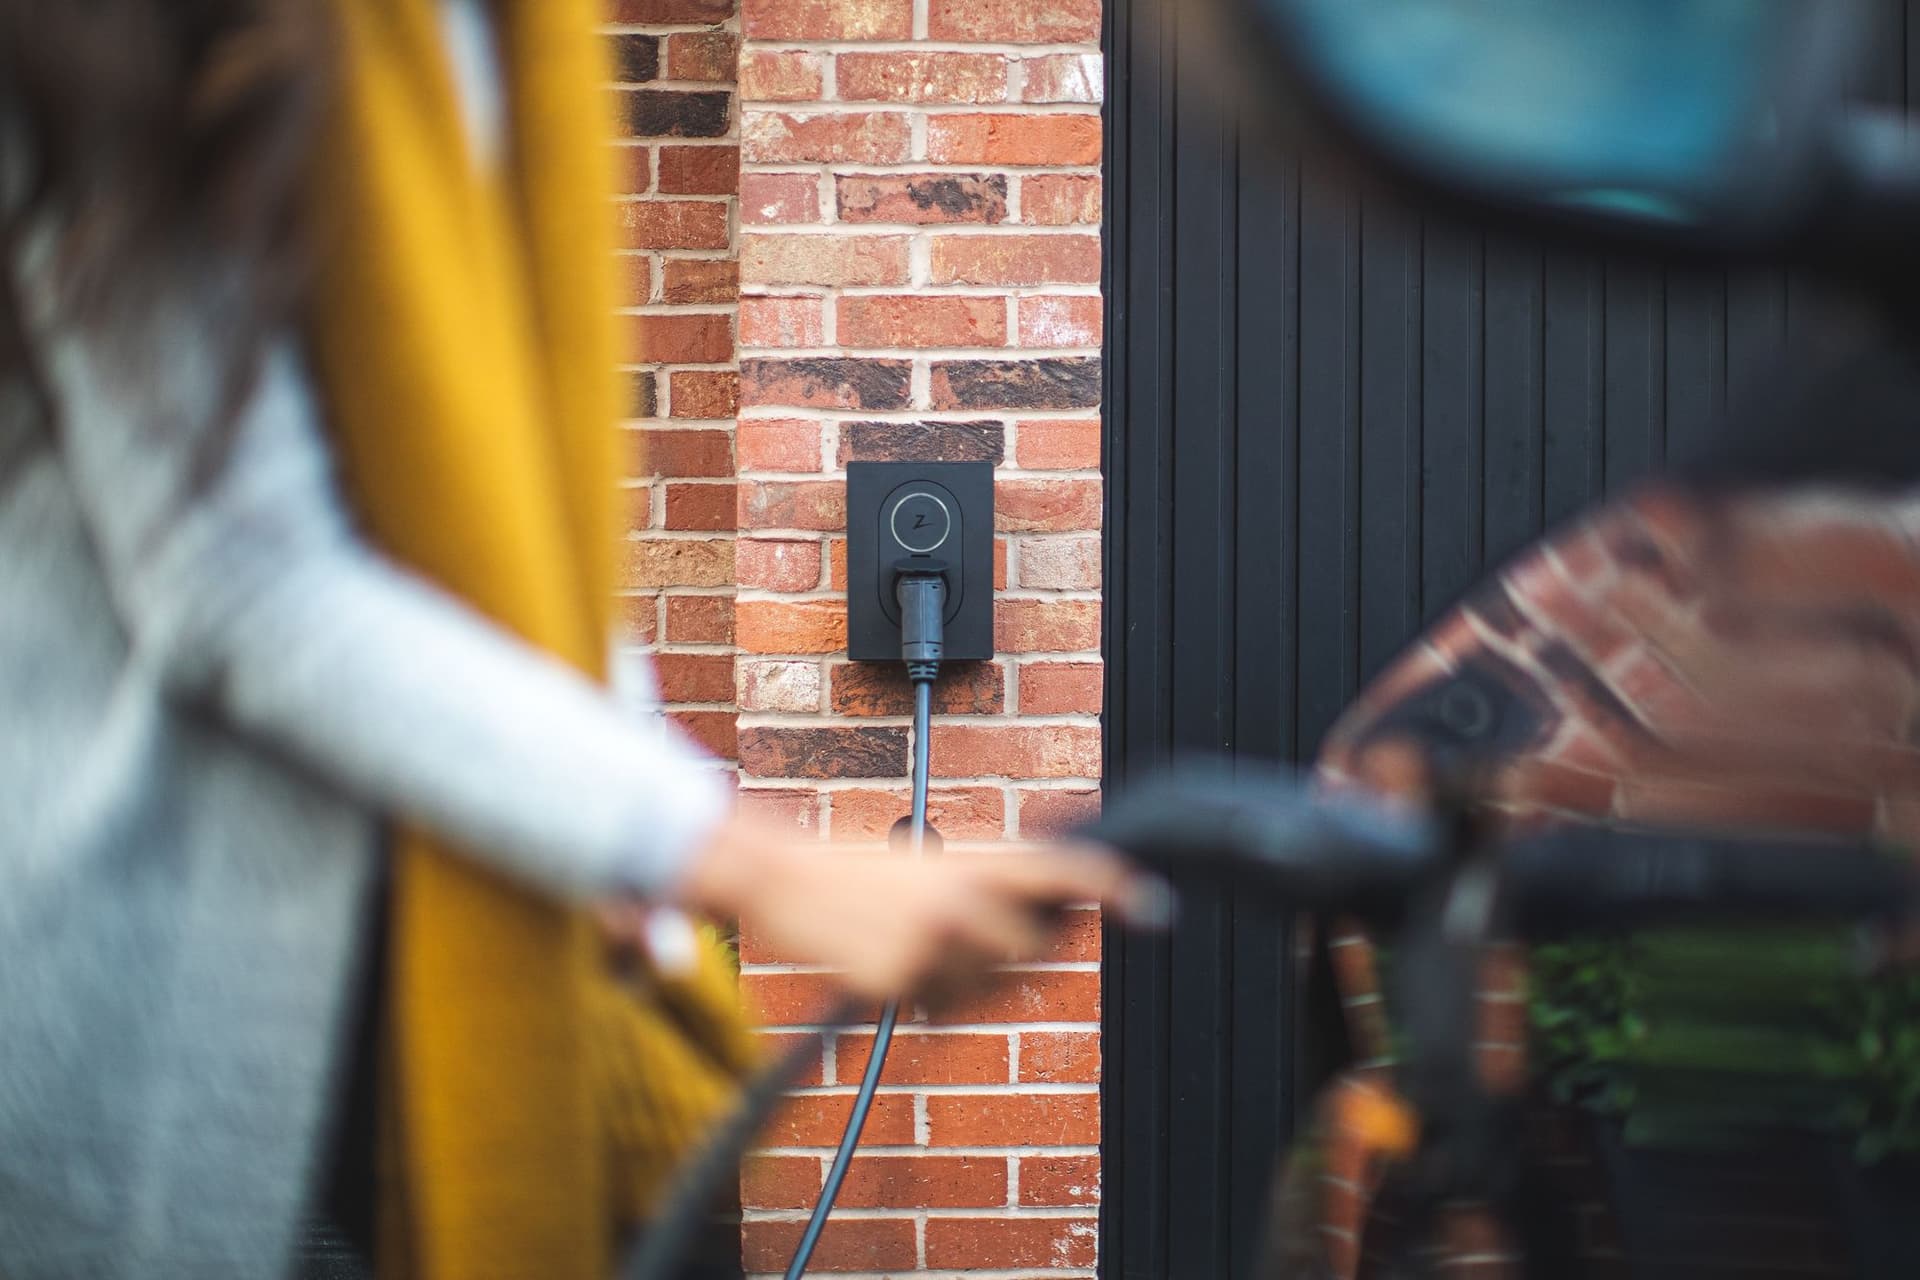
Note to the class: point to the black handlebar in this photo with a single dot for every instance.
(1274, 836)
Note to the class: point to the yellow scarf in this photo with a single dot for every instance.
(465, 339)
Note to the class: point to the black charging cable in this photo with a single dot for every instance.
(920, 589)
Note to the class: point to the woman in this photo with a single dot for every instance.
(307, 515)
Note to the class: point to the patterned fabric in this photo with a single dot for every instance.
(1737, 663)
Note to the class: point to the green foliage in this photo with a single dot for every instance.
(1700, 1038)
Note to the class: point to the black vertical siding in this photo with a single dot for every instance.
(1326, 417)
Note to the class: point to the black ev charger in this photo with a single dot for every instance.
(919, 591)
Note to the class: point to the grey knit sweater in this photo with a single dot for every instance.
(210, 696)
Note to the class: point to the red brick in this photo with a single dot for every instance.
(781, 75)
(696, 677)
(788, 999)
(635, 168)
(773, 198)
(777, 445)
(1060, 1057)
(1060, 200)
(714, 730)
(1013, 1120)
(697, 281)
(656, 12)
(777, 565)
(921, 76)
(1012, 139)
(796, 811)
(708, 56)
(884, 320)
(640, 513)
(781, 1044)
(1011, 1243)
(780, 1182)
(1047, 506)
(783, 322)
(1060, 564)
(640, 615)
(827, 19)
(1076, 939)
(1060, 688)
(818, 1120)
(705, 393)
(823, 260)
(1047, 626)
(1064, 77)
(847, 1244)
(674, 224)
(701, 619)
(1016, 260)
(1032, 996)
(1056, 1181)
(850, 137)
(933, 1182)
(922, 199)
(924, 1182)
(958, 813)
(1045, 814)
(679, 562)
(1015, 21)
(833, 751)
(965, 689)
(700, 171)
(827, 382)
(1015, 751)
(689, 453)
(1070, 445)
(682, 339)
(793, 504)
(926, 1059)
(708, 506)
(791, 685)
(1064, 321)
(837, 563)
(791, 626)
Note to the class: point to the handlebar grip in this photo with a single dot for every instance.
(1274, 837)
(1587, 879)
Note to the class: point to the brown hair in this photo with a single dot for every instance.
(138, 125)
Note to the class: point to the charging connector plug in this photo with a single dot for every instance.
(921, 590)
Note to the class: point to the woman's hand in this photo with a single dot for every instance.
(898, 926)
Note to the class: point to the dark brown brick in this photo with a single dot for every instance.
(636, 58)
(928, 198)
(823, 753)
(922, 442)
(828, 382)
(669, 113)
(1069, 383)
(965, 689)
(643, 398)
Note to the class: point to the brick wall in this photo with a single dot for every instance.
(911, 272)
(676, 66)
(920, 266)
